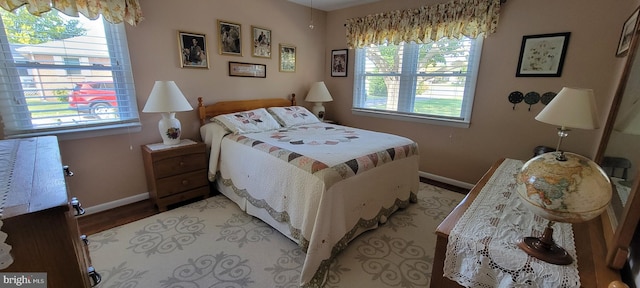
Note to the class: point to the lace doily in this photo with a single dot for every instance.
(482, 250)
(8, 152)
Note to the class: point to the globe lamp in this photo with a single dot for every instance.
(562, 186)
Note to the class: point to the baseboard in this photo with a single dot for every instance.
(446, 180)
(115, 204)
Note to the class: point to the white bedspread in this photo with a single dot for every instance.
(320, 204)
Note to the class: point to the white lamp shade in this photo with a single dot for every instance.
(318, 93)
(166, 97)
(571, 108)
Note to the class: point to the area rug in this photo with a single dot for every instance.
(212, 243)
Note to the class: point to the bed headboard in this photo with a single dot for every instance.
(223, 107)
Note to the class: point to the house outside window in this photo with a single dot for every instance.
(431, 83)
(49, 71)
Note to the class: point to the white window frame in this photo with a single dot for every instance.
(408, 88)
(13, 101)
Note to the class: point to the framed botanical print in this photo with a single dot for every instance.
(229, 38)
(628, 30)
(261, 42)
(339, 63)
(193, 50)
(287, 58)
(542, 55)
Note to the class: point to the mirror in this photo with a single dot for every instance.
(619, 157)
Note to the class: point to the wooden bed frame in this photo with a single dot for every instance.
(206, 112)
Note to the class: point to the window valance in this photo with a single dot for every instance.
(114, 11)
(425, 24)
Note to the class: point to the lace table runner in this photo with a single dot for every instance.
(8, 152)
(482, 249)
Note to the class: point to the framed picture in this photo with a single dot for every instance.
(542, 55)
(261, 46)
(339, 60)
(240, 69)
(193, 50)
(287, 58)
(628, 30)
(229, 38)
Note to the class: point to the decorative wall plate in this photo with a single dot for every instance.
(547, 97)
(515, 97)
(531, 98)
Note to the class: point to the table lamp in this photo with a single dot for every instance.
(559, 186)
(166, 98)
(318, 94)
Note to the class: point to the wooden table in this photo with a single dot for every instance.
(590, 244)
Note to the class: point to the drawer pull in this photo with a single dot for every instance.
(84, 239)
(181, 163)
(77, 205)
(185, 182)
(94, 276)
(67, 172)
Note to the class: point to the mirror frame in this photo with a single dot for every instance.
(618, 243)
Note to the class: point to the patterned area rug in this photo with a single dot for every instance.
(211, 243)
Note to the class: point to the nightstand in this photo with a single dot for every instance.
(175, 173)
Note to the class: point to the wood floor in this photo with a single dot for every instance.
(101, 221)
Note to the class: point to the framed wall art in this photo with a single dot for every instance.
(339, 59)
(193, 50)
(240, 69)
(287, 58)
(229, 38)
(628, 30)
(261, 46)
(542, 55)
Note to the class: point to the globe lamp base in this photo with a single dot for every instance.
(545, 249)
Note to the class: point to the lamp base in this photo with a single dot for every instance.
(545, 249)
(170, 129)
(318, 110)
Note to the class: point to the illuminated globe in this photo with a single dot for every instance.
(575, 190)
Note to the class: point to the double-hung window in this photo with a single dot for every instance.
(65, 76)
(431, 83)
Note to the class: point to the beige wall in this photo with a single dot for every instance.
(110, 168)
(496, 130)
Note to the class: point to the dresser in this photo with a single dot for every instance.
(38, 216)
(175, 173)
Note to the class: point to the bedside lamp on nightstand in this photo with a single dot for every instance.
(167, 99)
(318, 94)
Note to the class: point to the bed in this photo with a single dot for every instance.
(317, 183)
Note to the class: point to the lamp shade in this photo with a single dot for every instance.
(166, 97)
(318, 93)
(571, 108)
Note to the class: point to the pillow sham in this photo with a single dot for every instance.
(293, 115)
(256, 120)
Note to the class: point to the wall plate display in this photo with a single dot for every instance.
(531, 98)
(547, 97)
(515, 97)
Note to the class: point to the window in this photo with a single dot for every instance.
(431, 83)
(63, 75)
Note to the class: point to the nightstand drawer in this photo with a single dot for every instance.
(183, 182)
(177, 198)
(180, 164)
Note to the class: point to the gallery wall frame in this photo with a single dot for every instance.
(229, 38)
(287, 54)
(543, 55)
(193, 50)
(339, 62)
(628, 30)
(261, 42)
(241, 69)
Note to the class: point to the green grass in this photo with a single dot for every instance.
(437, 106)
(43, 109)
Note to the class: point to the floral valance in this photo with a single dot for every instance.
(425, 24)
(114, 11)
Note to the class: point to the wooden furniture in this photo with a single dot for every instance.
(207, 112)
(590, 245)
(175, 173)
(38, 218)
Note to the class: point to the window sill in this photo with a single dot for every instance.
(410, 118)
(82, 133)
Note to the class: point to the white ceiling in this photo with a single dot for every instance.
(329, 5)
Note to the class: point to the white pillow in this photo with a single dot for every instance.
(257, 120)
(293, 115)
